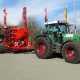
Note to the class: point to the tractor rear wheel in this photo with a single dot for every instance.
(2, 48)
(43, 48)
(71, 52)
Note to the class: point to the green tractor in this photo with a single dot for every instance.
(56, 38)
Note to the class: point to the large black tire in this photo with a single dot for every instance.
(48, 49)
(2, 48)
(71, 52)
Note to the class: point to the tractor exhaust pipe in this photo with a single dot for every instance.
(5, 15)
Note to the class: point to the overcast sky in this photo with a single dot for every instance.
(36, 8)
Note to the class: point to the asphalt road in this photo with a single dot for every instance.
(29, 67)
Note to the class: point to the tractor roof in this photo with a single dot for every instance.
(55, 22)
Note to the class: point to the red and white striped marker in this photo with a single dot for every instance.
(24, 18)
(5, 14)
(46, 18)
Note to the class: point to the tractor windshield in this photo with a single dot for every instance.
(63, 28)
(58, 27)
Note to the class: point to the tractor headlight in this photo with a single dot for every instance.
(69, 35)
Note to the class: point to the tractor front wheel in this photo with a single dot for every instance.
(71, 52)
(42, 48)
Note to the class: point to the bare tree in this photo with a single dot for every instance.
(33, 27)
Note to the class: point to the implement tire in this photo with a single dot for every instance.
(2, 48)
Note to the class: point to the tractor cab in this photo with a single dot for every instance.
(57, 26)
(57, 29)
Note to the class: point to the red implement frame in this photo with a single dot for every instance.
(17, 39)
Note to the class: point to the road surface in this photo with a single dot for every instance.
(29, 67)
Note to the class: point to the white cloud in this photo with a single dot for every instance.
(35, 7)
(71, 18)
(13, 15)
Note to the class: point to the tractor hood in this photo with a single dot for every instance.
(71, 37)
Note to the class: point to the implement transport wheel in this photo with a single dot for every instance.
(2, 48)
(43, 48)
(71, 52)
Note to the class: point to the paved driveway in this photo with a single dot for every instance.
(29, 67)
